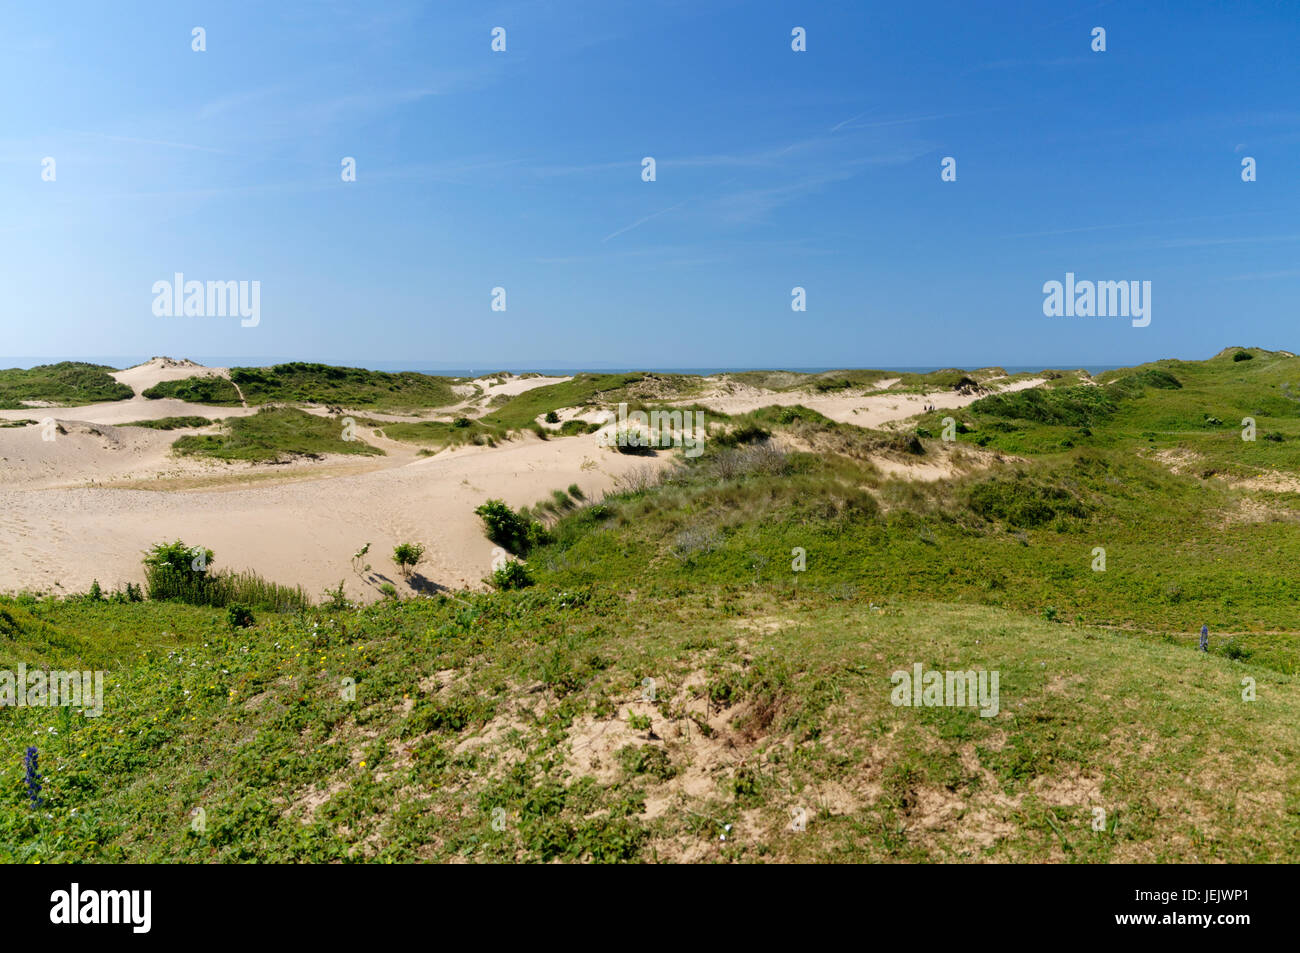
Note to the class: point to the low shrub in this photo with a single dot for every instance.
(407, 556)
(513, 575)
(239, 616)
(181, 573)
(1023, 503)
(514, 532)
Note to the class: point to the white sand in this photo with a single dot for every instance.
(864, 410)
(292, 531)
(159, 369)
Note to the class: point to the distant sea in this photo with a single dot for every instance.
(423, 367)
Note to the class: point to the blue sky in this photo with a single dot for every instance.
(775, 169)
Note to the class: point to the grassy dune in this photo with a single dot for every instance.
(206, 389)
(68, 383)
(274, 433)
(313, 383)
(171, 423)
(521, 411)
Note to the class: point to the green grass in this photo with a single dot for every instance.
(222, 589)
(1015, 540)
(50, 632)
(273, 433)
(208, 389)
(440, 433)
(763, 703)
(171, 423)
(68, 383)
(225, 588)
(1192, 407)
(314, 383)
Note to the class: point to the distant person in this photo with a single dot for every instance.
(1205, 638)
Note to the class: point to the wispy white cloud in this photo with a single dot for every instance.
(905, 120)
(840, 125)
(750, 206)
(641, 221)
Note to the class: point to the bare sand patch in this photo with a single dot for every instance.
(1271, 482)
(1178, 460)
(864, 408)
(301, 528)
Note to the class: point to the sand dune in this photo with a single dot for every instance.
(158, 369)
(294, 531)
(86, 505)
(865, 410)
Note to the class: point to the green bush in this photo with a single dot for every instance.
(1243, 356)
(513, 575)
(132, 593)
(239, 616)
(634, 443)
(181, 573)
(1236, 651)
(407, 556)
(1022, 503)
(571, 428)
(513, 532)
(177, 571)
(745, 433)
(335, 599)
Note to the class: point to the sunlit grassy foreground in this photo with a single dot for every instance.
(533, 709)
